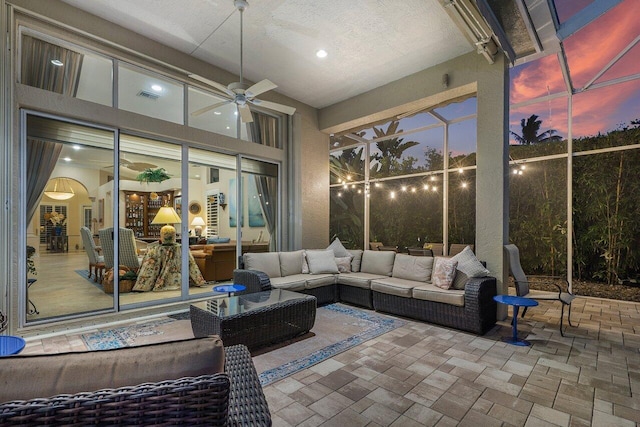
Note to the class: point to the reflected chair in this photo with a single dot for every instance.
(96, 261)
(375, 246)
(456, 248)
(127, 253)
(522, 285)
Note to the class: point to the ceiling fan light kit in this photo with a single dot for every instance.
(240, 93)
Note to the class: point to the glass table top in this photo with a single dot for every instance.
(224, 306)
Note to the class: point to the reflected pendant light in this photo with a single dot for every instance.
(59, 189)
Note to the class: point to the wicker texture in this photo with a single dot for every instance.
(199, 400)
(478, 314)
(355, 295)
(233, 398)
(259, 327)
(247, 403)
(324, 294)
(254, 280)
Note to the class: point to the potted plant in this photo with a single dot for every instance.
(153, 175)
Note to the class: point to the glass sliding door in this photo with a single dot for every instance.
(259, 212)
(150, 219)
(68, 176)
(212, 240)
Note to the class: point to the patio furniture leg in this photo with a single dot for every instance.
(569, 316)
(561, 319)
(524, 312)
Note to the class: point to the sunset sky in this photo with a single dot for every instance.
(587, 51)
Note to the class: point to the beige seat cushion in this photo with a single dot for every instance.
(429, 292)
(358, 280)
(320, 280)
(28, 377)
(394, 286)
(295, 282)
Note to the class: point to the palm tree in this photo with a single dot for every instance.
(530, 135)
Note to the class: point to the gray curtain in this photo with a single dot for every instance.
(267, 186)
(264, 130)
(38, 71)
(42, 157)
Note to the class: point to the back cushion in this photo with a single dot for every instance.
(378, 262)
(413, 267)
(357, 259)
(28, 377)
(291, 262)
(267, 262)
(321, 261)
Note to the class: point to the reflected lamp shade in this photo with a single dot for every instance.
(59, 189)
(198, 222)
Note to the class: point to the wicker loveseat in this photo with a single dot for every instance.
(190, 382)
(382, 280)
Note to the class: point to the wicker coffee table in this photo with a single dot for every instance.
(255, 319)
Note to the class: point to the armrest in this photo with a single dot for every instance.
(479, 306)
(254, 280)
(247, 403)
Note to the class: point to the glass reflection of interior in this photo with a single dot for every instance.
(69, 177)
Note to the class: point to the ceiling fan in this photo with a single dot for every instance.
(240, 93)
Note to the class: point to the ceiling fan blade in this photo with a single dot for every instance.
(276, 107)
(211, 83)
(209, 108)
(260, 87)
(245, 113)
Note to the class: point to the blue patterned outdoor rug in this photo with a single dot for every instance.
(372, 324)
(125, 336)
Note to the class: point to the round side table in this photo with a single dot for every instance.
(229, 288)
(516, 302)
(11, 345)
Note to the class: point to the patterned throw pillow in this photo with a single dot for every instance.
(444, 272)
(468, 266)
(344, 264)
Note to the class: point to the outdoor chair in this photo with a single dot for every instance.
(522, 285)
(436, 248)
(96, 261)
(456, 248)
(127, 254)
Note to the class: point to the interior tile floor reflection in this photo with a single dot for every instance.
(425, 375)
(59, 290)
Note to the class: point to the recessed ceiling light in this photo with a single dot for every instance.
(235, 113)
(321, 53)
(157, 88)
(76, 147)
(57, 62)
(217, 113)
(228, 127)
(67, 159)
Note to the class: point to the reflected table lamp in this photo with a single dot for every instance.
(198, 223)
(167, 215)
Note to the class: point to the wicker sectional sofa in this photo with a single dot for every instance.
(382, 280)
(189, 382)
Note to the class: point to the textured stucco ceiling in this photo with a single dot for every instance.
(370, 42)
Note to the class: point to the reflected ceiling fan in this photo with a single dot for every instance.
(240, 93)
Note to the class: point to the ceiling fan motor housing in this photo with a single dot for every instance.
(241, 5)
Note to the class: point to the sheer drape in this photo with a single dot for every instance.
(264, 130)
(38, 71)
(267, 186)
(42, 157)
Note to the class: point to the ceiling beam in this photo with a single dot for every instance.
(585, 17)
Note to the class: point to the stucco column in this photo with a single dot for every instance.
(492, 177)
